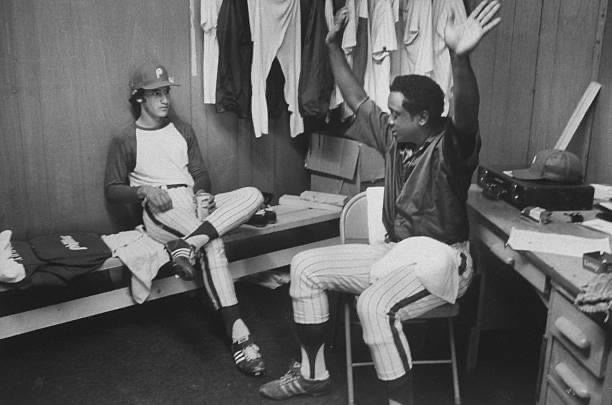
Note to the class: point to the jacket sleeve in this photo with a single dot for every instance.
(196, 165)
(120, 161)
(371, 126)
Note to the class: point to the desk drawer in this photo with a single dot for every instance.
(511, 257)
(571, 382)
(582, 336)
(556, 395)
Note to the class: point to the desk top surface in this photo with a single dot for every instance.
(501, 217)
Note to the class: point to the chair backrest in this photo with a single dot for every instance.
(353, 220)
(361, 218)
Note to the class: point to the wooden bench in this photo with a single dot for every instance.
(249, 249)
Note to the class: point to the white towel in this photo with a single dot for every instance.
(436, 265)
(142, 255)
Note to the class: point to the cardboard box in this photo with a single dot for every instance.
(342, 166)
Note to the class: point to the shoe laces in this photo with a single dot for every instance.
(251, 352)
(291, 375)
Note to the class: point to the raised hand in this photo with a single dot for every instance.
(337, 30)
(462, 38)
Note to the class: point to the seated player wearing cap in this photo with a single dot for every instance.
(156, 161)
(429, 162)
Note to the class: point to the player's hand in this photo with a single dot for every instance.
(337, 30)
(158, 199)
(462, 38)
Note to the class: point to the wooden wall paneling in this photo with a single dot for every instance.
(245, 145)
(71, 68)
(60, 97)
(564, 66)
(505, 66)
(264, 152)
(13, 191)
(291, 176)
(222, 139)
(523, 60)
(596, 64)
(599, 169)
(485, 75)
(34, 207)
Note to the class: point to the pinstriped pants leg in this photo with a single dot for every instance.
(232, 209)
(381, 306)
(343, 268)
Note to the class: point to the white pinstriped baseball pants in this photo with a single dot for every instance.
(381, 306)
(232, 209)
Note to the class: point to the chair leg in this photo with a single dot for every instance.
(451, 334)
(349, 354)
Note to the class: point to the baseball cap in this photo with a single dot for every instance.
(554, 165)
(150, 76)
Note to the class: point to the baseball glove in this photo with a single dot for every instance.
(596, 295)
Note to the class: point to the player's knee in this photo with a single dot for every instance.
(253, 194)
(370, 309)
(299, 268)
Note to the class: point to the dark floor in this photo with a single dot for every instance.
(172, 352)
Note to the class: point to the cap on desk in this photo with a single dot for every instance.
(553, 164)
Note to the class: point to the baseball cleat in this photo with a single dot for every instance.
(293, 383)
(183, 258)
(247, 357)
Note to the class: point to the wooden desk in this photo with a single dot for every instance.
(576, 363)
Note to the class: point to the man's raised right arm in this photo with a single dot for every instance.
(352, 92)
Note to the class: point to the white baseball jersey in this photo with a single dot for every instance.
(161, 158)
(382, 41)
(415, 55)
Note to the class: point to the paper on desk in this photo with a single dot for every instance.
(565, 245)
(599, 224)
(602, 191)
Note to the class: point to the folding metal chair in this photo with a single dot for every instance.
(354, 229)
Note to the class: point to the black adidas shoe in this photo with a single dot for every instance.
(247, 357)
(183, 258)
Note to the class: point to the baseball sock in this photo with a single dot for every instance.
(198, 240)
(399, 391)
(235, 327)
(202, 235)
(312, 339)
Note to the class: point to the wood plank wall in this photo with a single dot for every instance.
(532, 72)
(505, 66)
(599, 168)
(64, 71)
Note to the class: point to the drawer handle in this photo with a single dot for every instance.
(499, 250)
(576, 387)
(572, 333)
